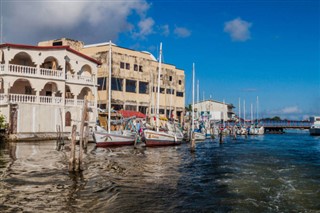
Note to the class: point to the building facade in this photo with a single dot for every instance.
(43, 87)
(214, 110)
(134, 81)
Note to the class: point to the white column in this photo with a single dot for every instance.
(34, 119)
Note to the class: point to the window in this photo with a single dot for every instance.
(161, 111)
(121, 65)
(140, 69)
(170, 91)
(102, 82)
(161, 90)
(135, 67)
(170, 78)
(130, 86)
(180, 82)
(57, 43)
(116, 84)
(127, 66)
(143, 87)
(131, 107)
(102, 106)
(179, 94)
(68, 119)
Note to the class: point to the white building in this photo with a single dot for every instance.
(214, 110)
(45, 86)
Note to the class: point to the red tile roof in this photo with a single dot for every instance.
(23, 46)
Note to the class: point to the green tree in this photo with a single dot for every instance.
(2, 121)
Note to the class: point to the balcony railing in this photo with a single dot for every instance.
(44, 73)
(48, 100)
(79, 78)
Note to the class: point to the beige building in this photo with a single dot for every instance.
(214, 110)
(134, 81)
(42, 87)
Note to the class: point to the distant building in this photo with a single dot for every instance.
(214, 110)
(42, 87)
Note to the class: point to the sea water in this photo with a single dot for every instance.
(267, 173)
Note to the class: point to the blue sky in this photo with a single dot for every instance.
(241, 48)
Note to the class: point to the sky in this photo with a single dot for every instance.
(242, 49)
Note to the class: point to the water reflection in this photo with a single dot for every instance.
(258, 174)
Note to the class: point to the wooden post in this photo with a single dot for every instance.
(84, 113)
(220, 135)
(86, 138)
(72, 159)
(136, 140)
(193, 142)
(212, 132)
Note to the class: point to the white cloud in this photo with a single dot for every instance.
(145, 28)
(33, 21)
(238, 29)
(182, 32)
(164, 30)
(290, 110)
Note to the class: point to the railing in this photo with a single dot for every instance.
(26, 70)
(69, 102)
(277, 124)
(50, 99)
(44, 73)
(2, 66)
(79, 78)
(3, 98)
(22, 98)
(81, 102)
(17, 98)
(51, 73)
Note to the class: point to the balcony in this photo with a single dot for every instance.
(47, 100)
(26, 71)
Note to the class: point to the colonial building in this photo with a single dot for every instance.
(214, 110)
(134, 81)
(45, 86)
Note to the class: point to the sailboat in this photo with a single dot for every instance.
(160, 138)
(256, 129)
(198, 135)
(106, 138)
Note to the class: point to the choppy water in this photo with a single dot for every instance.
(270, 173)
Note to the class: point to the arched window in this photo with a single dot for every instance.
(68, 119)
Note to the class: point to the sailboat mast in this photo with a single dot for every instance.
(251, 114)
(109, 87)
(239, 111)
(244, 112)
(158, 91)
(192, 121)
(257, 108)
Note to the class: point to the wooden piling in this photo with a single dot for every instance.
(86, 137)
(83, 118)
(193, 142)
(72, 159)
(220, 136)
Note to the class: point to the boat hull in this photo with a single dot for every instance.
(314, 131)
(153, 138)
(105, 139)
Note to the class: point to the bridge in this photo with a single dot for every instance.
(279, 126)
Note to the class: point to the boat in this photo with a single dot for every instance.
(198, 134)
(315, 127)
(105, 137)
(157, 137)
